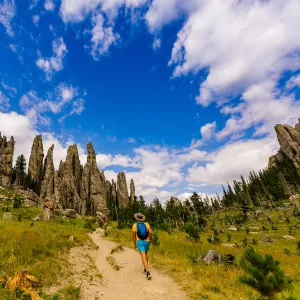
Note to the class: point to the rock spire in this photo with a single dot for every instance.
(35, 167)
(122, 190)
(47, 187)
(132, 192)
(6, 160)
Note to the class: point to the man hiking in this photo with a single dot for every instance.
(142, 237)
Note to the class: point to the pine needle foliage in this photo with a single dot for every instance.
(265, 274)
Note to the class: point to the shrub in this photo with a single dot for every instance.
(298, 245)
(214, 239)
(193, 232)
(155, 239)
(265, 274)
(228, 237)
(17, 203)
(89, 225)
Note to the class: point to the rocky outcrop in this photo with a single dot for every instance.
(102, 216)
(274, 159)
(35, 167)
(48, 213)
(70, 175)
(47, 187)
(108, 189)
(93, 185)
(28, 197)
(132, 192)
(6, 160)
(114, 191)
(122, 190)
(289, 141)
(175, 201)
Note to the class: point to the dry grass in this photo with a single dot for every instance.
(112, 261)
(176, 256)
(117, 249)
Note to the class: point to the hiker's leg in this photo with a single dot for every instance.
(145, 260)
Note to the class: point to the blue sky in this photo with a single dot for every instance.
(182, 95)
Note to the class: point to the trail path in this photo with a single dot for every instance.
(130, 281)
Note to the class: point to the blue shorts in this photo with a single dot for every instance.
(143, 246)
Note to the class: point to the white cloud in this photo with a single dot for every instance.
(77, 10)
(293, 82)
(156, 43)
(7, 13)
(240, 42)
(103, 37)
(233, 160)
(49, 5)
(8, 88)
(33, 4)
(55, 62)
(263, 106)
(36, 19)
(20, 127)
(13, 48)
(4, 102)
(131, 140)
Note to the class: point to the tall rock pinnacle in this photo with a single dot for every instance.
(132, 191)
(70, 173)
(122, 190)
(6, 160)
(47, 187)
(35, 167)
(93, 185)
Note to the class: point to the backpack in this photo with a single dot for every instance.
(142, 231)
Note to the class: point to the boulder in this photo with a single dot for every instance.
(288, 237)
(28, 197)
(37, 218)
(48, 214)
(122, 190)
(232, 228)
(102, 215)
(7, 216)
(6, 160)
(70, 213)
(35, 166)
(49, 203)
(229, 245)
(294, 197)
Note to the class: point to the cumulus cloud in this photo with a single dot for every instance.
(55, 62)
(233, 160)
(240, 43)
(103, 37)
(77, 10)
(293, 82)
(36, 19)
(262, 107)
(7, 13)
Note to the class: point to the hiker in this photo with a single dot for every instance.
(142, 237)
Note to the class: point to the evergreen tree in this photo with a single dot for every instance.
(265, 274)
(20, 170)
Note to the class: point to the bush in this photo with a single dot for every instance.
(155, 239)
(228, 237)
(265, 274)
(89, 225)
(193, 232)
(298, 245)
(17, 203)
(214, 239)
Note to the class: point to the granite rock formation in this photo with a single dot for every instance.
(35, 167)
(93, 185)
(114, 191)
(6, 160)
(122, 190)
(132, 192)
(47, 187)
(175, 201)
(70, 175)
(289, 141)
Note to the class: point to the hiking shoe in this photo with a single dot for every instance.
(145, 271)
(149, 275)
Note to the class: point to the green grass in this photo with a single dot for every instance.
(39, 247)
(177, 257)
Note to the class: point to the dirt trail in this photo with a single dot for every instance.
(127, 283)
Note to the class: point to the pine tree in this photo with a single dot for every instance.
(20, 170)
(265, 274)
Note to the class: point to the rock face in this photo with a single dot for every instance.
(70, 174)
(29, 198)
(122, 191)
(35, 167)
(132, 192)
(274, 158)
(102, 215)
(114, 191)
(6, 160)
(93, 185)
(176, 202)
(47, 187)
(289, 141)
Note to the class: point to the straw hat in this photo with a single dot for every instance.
(139, 217)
